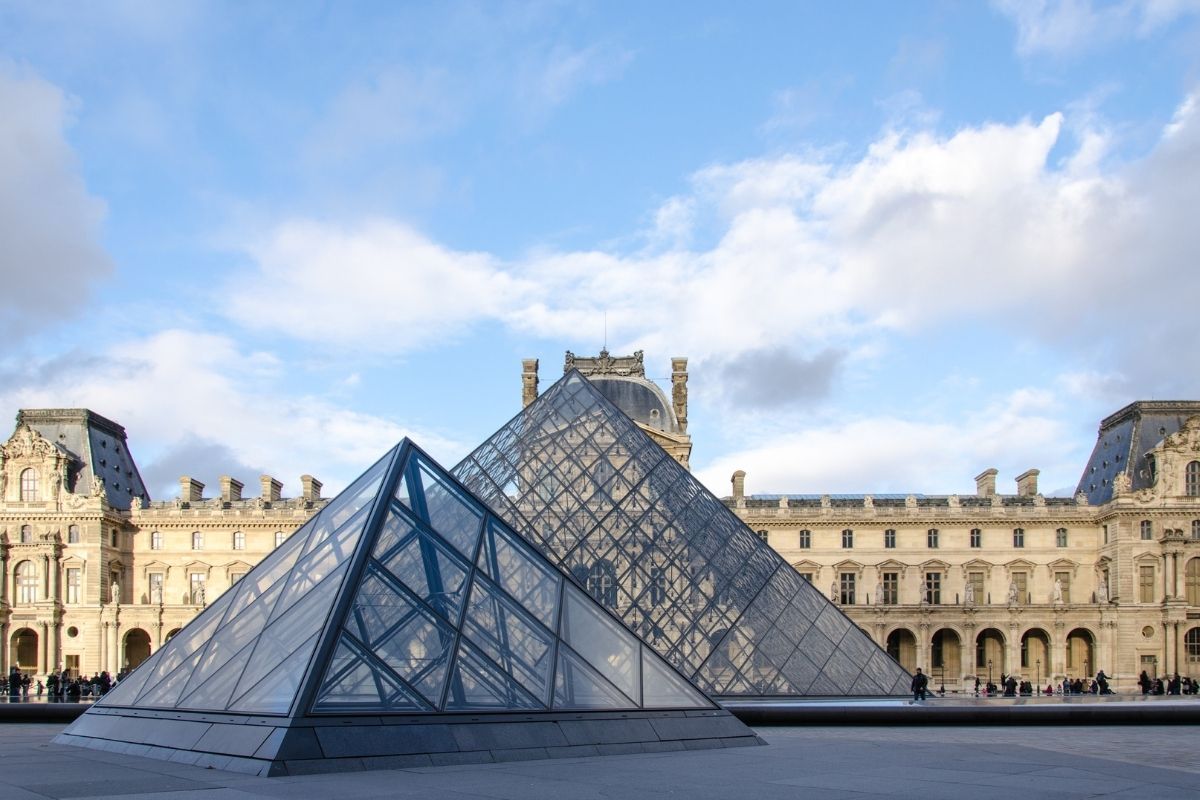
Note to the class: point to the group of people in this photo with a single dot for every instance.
(1173, 685)
(60, 686)
(1011, 687)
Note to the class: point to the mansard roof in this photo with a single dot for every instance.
(1123, 441)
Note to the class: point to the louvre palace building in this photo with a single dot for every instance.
(98, 576)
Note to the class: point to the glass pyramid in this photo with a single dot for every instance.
(405, 595)
(631, 525)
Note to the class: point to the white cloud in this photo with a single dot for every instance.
(546, 82)
(889, 454)
(1066, 27)
(200, 395)
(379, 287)
(50, 251)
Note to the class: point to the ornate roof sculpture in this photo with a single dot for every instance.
(592, 491)
(403, 596)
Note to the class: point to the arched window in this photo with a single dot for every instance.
(602, 583)
(29, 485)
(1192, 480)
(1192, 640)
(26, 534)
(1192, 577)
(156, 540)
(27, 582)
(197, 540)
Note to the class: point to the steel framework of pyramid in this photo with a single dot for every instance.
(577, 477)
(403, 625)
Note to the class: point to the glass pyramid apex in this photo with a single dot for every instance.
(405, 595)
(632, 527)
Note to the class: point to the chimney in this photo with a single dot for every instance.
(1027, 483)
(679, 398)
(271, 489)
(310, 488)
(739, 485)
(985, 483)
(529, 381)
(231, 489)
(190, 490)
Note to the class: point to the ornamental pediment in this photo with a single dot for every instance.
(1063, 565)
(1020, 564)
(848, 565)
(26, 444)
(806, 566)
(934, 565)
(892, 565)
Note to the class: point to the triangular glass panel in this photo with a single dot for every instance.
(431, 571)
(662, 687)
(602, 642)
(522, 573)
(448, 511)
(593, 492)
(213, 694)
(478, 685)
(510, 637)
(355, 684)
(274, 692)
(578, 686)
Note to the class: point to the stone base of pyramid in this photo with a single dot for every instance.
(274, 746)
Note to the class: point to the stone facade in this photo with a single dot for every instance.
(1040, 587)
(96, 575)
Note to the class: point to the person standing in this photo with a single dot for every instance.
(920, 685)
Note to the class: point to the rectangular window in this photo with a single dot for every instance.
(846, 585)
(1106, 533)
(239, 540)
(931, 538)
(73, 665)
(808, 576)
(805, 539)
(1018, 537)
(976, 538)
(1021, 580)
(889, 539)
(73, 584)
(1064, 581)
(933, 588)
(1146, 584)
(1196, 529)
(1060, 537)
(196, 588)
(113, 537)
(847, 538)
(279, 537)
(975, 579)
(73, 534)
(1147, 530)
(156, 587)
(891, 589)
(197, 541)
(658, 586)
(234, 577)
(156, 540)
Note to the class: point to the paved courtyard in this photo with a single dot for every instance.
(829, 763)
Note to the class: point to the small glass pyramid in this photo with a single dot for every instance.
(579, 480)
(405, 595)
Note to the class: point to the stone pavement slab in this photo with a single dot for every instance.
(830, 763)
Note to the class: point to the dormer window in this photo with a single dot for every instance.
(29, 485)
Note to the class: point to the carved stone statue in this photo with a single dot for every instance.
(969, 594)
(1121, 483)
(879, 593)
(156, 594)
(1057, 596)
(834, 594)
(198, 595)
(1102, 591)
(1012, 593)
(114, 592)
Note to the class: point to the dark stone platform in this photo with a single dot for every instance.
(274, 746)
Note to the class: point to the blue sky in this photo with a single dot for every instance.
(899, 242)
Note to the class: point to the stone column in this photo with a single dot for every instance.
(52, 569)
(46, 578)
(1058, 649)
(1168, 650)
(56, 647)
(1168, 578)
(1180, 648)
(924, 649)
(4, 587)
(114, 648)
(45, 654)
(4, 647)
(1175, 570)
(1012, 651)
